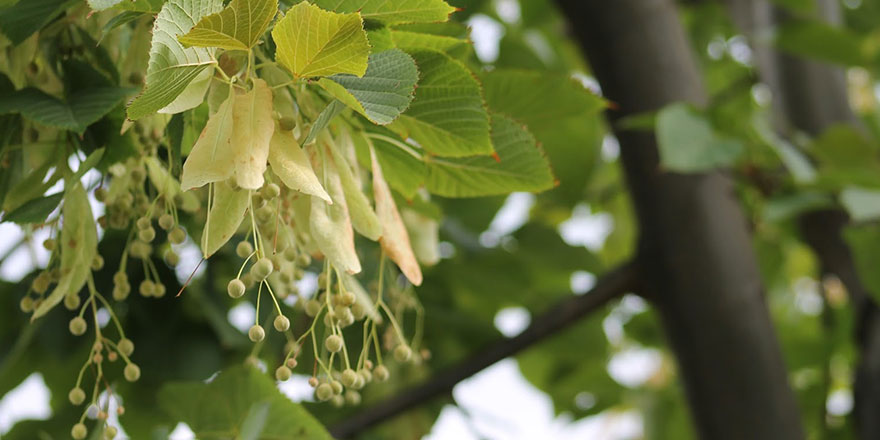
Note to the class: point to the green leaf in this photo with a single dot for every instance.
(447, 116)
(797, 163)
(520, 166)
(238, 26)
(36, 210)
(861, 204)
(538, 98)
(100, 5)
(393, 12)
(814, 39)
(227, 212)
(79, 110)
(314, 42)
(28, 16)
(255, 421)
(455, 47)
(92, 160)
(688, 143)
(864, 240)
(385, 90)
(79, 245)
(333, 108)
(219, 409)
(119, 20)
(845, 157)
(173, 67)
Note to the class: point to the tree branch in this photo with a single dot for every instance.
(569, 311)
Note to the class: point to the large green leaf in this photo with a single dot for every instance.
(313, 42)
(238, 26)
(688, 144)
(393, 12)
(861, 204)
(385, 90)
(402, 165)
(455, 47)
(821, 41)
(76, 112)
(173, 67)
(28, 16)
(36, 210)
(220, 409)
(79, 245)
(447, 116)
(538, 98)
(520, 165)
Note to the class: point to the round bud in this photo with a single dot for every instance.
(347, 298)
(147, 235)
(368, 364)
(41, 283)
(143, 223)
(177, 235)
(313, 307)
(98, 358)
(270, 191)
(256, 333)
(71, 302)
(140, 249)
(26, 304)
(79, 431)
(172, 258)
(120, 410)
(49, 244)
(338, 401)
(287, 123)
(281, 323)
(125, 346)
(322, 280)
(290, 253)
(358, 383)
(352, 397)
(120, 292)
(235, 288)
(324, 392)
(146, 288)
(402, 353)
(102, 415)
(333, 343)
(313, 382)
(132, 372)
(359, 311)
(291, 363)
(158, 290)
(366, 375)
(112, 356)
(262, 269)
(244, 249)
(337, 387)
(110, 432)
(76, 396)
(120, 278)
(77, 326)
(304, 260)
(349, 377)
(97, 263)
(100, 194)
(282, 373)
(166, 222)
(346, 318)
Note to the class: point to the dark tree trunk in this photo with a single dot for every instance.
(811, 96)
(695, 248)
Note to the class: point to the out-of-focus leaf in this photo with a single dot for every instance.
(36, 210)
(688, 144)
(219, 409)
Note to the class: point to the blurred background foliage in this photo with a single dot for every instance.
(530, 251)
